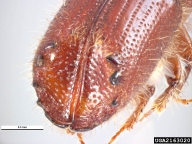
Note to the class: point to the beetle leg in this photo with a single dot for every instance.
(175, 85)
(181, 71)
(79, 135)
(143, 99)
(176, 96)
(183, 101)
(185, 52)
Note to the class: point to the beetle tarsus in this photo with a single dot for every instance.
(79, 135)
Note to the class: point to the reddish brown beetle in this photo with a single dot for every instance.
(98, 55)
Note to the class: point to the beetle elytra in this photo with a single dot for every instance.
(98, 55)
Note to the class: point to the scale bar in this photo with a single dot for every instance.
(22, 127)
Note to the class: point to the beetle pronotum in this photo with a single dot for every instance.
(99, 55)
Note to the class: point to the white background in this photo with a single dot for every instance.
(22, 23)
